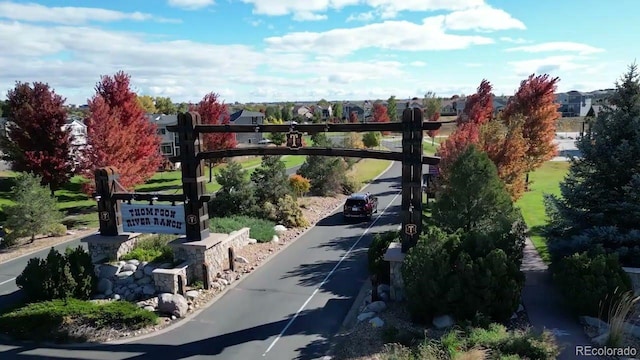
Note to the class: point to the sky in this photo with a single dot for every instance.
(307, 50)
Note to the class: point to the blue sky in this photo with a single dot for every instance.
(277, 50)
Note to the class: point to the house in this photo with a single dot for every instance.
(348, 108)
(78, 131)
(302, 112)
(499, 103)
(169, 141)
(574, 104)
(325, 112)
(453, 106)
(245, 117)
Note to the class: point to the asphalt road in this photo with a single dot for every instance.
(286, 309)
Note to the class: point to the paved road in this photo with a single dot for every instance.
(287, 309)
(10, 293)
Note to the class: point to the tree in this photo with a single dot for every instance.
(371, 139)
(272, 112)
(478, 108)
(119, 134)
(285, 113)
(392, 108)
(326, 174)
(535, 102)
(236, 195)
(277, 138)
(214, 112)
(270, 180)
(602, 188)
(34, 210)
(473, 197)
(4, 108)
(353, 140)
(164, 105)
(183, 107)
(37, 140)
(353, 117)
(337, 111)
(380, 115)
(432, 106)
(148, 104)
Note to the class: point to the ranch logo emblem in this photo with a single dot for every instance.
(410, 229)
(104, 216)
(192, 219)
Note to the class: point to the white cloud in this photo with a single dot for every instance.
(396, 35)
(364, 17)
(482, 18)
(550, 65)
(559, 46)
(513, 40)
(32, 12)
(418, 63)
(308, 16)
(191, 4)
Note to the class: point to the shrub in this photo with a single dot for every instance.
(289, 214)
(154, 249)
(261, 229)
(325, 173)
(460, 274)
(350, 185)
(237, 192)
(59, 320)
(377, 266)
(82, 271)
(270, 180)
(57, 230)
(299, 184)
(589, 281)
(371, 139)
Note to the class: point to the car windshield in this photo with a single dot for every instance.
(355, 202)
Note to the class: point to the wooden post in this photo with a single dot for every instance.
(411, 209)
(193, 179)
(108, 209)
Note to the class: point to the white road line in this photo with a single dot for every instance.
(7, 281)
(295, 316)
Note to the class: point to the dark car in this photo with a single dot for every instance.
(360, 206)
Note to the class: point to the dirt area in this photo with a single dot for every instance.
(42, 242)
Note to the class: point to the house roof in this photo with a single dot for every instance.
(162, 119)
(245, 113)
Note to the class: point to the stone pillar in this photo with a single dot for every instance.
(395, 257)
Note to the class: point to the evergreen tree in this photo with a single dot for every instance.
(270, 180)
(34, 211)
(602, 187)
(473, 198)
(392, 108)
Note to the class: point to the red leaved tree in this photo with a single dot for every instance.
(37, 140)
(380, 115)
(534, 102)
(478, 108)
(353, 117)
(214, 112)
(433, 133)
(119, 134)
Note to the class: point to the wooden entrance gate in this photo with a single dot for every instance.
(194, 198)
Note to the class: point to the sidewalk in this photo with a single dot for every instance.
(543, 303)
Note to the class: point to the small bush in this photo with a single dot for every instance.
(589, 281)
(350, 185)
(261, 229)
(154, 249)
(289, 214)
(58, 276)
(57, 230)
(59, 320)
(377, 266)
(299, 184)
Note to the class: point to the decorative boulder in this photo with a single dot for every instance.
(173, 304)
(279, 229)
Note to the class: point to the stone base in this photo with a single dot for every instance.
(209, 256)
(108, 248)
(634, 274)
(395, 257)
(171, 281)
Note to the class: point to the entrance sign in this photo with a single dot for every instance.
(156, 219)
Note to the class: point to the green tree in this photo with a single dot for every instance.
(183, 107)
(326, 174)
(392, 108)
(371, 139)
(324, 103)
(270, 180)
(337, 110)
(277, 138)
(285, 113)
(272, 112)
(602, 188)
(473, 198)
(236, 195)
(34, 211)
(148, 104)
(164, 105)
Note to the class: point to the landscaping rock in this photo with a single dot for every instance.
(594, 322)
(192, 295)
(173, 304)
(253, 241)
(275, 239)
(384, 296)
(133, 262)
(601, 339)
(148, 270)
(139, 274)
(279, 229)
(148, 289)
(366, 316)
(520, 308)
(104, 285)
(376, 307)
(116, 297)
(376, 322)
(383, 288)
(149, 308)
(129, 267)
(443, 321)
(241, 260)
(124, 274)
(108, 271)
(145, 280)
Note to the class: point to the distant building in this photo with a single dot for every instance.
(574, 104)
(169, 140)
(245, 117)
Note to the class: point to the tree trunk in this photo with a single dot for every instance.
(210, 171)
(433, 141)
(526, 182)
(33, 238)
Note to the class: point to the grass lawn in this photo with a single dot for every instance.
(429, 146)
(80, 210)
(366, 169)
(545, 180)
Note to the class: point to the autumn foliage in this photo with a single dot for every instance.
(534, 102)
(214, 112)
(299, 184)
(353, 117)
(380, 115)
(36, 141)
(478, 108)
(434, 117)
(119, 134)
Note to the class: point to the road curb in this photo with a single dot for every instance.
(189, 317)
